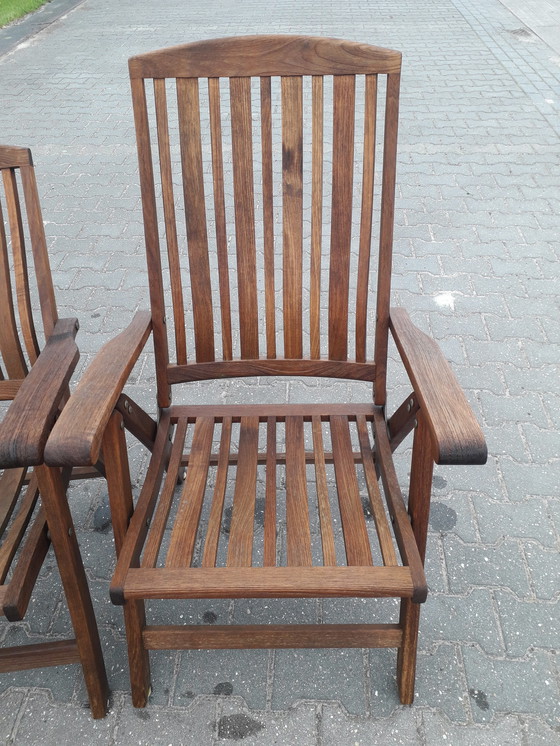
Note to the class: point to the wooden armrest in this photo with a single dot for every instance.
(31, 415)
(456, 434)
(76, 437)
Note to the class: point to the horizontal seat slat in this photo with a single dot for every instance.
(267, 582)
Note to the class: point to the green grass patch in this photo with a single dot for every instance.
(10, 10)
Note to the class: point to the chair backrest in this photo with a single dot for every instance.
(21, 225)
(259, 180)
(21, 229)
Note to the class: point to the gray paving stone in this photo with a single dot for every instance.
(543, 570)
(46, 722)
(483, 565)
(504, 731)
(236, 723)
(507, 685)
(471, 618)
(242, 672)
(327, 674)
(528, 624)
(340, 729)
(440, 683)
(157, 726)
(528, 519)
(10, 703)
(525, 480)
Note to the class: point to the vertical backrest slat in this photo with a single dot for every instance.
(168, 199)
(316, 216)
(20, 264)
(220, 214)
(292, 210)
(362, 289)
(195, 215)
(268, 216)
(10, 346)
(151, 236)
(386, 236)
(244, 208)
(341, 214)
(39, 248)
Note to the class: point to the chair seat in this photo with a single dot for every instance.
(278, 501)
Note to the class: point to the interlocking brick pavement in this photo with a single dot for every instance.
(476, 263)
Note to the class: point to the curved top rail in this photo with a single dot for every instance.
(13, 157)
(246, 56)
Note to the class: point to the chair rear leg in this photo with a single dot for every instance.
(120, 498)
(406, 657)
(74, 581)
(421, 473)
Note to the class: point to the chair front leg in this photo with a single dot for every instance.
(120, 499)
(419, 509)
(63, 537)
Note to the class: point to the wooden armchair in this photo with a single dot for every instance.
(268, 256)
(33, 506)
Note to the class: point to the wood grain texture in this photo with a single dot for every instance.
(292, 214)
(195, 214)
(21, 274)
(375, 499)
(168, 198)
(272, 636)
(76, 438)
(269, 582)
(217, 508)
(29, 419)
(298, 534)
(323, 504)
(341, 214)
(269, 539)
(151, 237)
(457, 437)
(185, 526)
(356, 540)
(277, 367)
(268, 216)
(14, 157)
(240, 546)
(316, 216)
(10, 345)
(220, 214)
(265, 55)
(386, 227)
(395, 502)
(244, 208)
(366, 219)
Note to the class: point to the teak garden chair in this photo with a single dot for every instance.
(33, 507)
(269, 273)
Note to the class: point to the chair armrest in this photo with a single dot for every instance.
(31, 415)
(456, 434)
(76, 437)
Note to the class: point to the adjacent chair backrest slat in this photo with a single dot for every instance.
(21, 226)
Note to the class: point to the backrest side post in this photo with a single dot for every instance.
(386, 237)
(149, 210)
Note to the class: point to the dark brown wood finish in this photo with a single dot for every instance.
(33, 507)
(292, 308)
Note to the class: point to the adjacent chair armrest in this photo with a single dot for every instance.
(456, 434)
(31, 415)
(76, 437)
